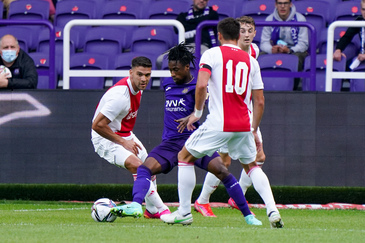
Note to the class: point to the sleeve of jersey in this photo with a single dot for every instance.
(116, 102)
(256, 75)
(205, 64)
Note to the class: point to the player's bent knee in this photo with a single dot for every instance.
(132, 163)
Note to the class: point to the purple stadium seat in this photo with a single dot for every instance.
(88, 61)
(105, 40)
(358, 85)
(42, 64)
(258, 9)
(43, 41)
(279, 63)
(29, 9)
(127, 9)
(348, 10)
(32, 10)
(123, 62)
(43, 46)
(124, 10)
(351, 50)
(321, 63)
(67, 10)
(224, 8)
(316, 12)
(21, 33)
(166, 9)
(152, 39)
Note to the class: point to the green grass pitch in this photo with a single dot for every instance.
(44, 221)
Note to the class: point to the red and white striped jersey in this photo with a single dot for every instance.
(254, 51)
(233, 76)
(120, 105)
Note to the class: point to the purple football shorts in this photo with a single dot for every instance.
(166, 154)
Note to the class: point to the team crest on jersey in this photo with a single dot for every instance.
(185, 90)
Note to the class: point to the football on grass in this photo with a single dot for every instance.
(100, 211)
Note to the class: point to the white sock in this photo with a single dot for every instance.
(211, 183)
(262, 186)
(245, 181)
(153, 200)
(185, 184)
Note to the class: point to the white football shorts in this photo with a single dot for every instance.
(224, 149)
(204, 141)
(116, 154)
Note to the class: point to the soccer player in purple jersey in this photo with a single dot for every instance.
(179, 105)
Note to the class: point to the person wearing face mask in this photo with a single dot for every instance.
(23, 71)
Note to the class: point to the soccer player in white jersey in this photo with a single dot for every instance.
(233, 78)
(112, 128)
(211, 182)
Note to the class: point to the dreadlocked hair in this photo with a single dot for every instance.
(182, 54)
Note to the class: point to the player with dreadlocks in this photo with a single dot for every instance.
(179, 105)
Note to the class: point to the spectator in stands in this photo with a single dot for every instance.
(23, 71)
(347, 38)
(293, 40)
(198, 12)
(52, 9)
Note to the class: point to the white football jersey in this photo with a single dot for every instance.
(234, 74)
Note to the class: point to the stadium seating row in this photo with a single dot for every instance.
(116, 40)
(320, 12)
(268, 63)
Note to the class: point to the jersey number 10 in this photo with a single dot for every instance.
(240, 76)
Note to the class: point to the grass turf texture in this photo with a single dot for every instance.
(39, 221)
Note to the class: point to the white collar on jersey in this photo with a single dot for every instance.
(231, 45)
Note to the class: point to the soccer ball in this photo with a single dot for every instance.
(100, 211)
(6, 70)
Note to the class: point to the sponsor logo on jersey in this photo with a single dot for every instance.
(131, 115)
(175, 105)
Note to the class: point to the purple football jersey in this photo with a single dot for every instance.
(179, 103)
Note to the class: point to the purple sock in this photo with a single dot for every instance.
(235, 192)
(141, 184)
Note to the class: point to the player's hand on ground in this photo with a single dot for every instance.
(182, 123)
(192, 120)
(132, 146)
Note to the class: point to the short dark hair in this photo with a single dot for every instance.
(229, 28)
(246, 20)
(141, 62)
(182, 54)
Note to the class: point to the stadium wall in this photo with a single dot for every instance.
(310, 139)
